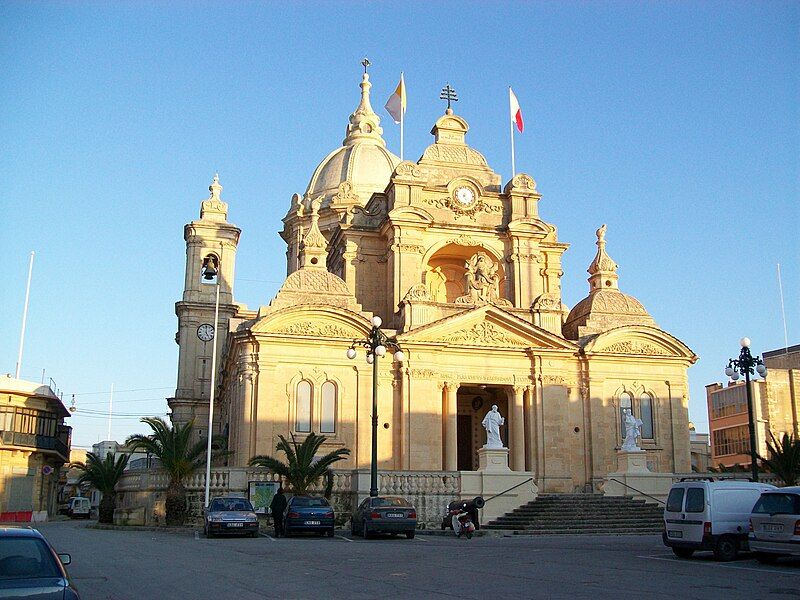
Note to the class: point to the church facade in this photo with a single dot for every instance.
(466, 277)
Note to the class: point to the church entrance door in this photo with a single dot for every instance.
(473, 402)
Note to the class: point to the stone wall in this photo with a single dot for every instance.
(142, 492)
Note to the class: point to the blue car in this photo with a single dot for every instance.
(31, 569)
(308, 513)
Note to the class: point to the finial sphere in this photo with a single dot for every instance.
(745, 342)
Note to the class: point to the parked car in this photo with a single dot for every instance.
(308, 513)
(710, 515)
(775, 525)
(30, 568)
(79, 507)
(384, 514)
(230, 515)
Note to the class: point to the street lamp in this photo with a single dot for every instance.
(376, 344)
(747, 365)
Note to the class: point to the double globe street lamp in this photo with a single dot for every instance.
(748, 365)
(377, 344)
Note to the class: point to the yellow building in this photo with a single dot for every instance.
(35, 445)
(776, 408)
(467, 275)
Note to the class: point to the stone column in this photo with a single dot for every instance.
(247, 425)
(451, 430)
(530, 424)
(517, 429)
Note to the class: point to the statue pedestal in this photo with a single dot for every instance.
(493, 460)
(632, 461)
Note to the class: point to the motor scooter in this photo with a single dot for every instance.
(462, 523)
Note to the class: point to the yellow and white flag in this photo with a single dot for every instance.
(396, 104)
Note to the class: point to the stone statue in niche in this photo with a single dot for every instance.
(633, 430)
(482, 280)
(492, 422)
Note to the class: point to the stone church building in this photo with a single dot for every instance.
(467, 275)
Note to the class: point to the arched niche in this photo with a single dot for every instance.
(446, 270)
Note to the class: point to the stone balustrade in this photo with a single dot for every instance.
(429, 491)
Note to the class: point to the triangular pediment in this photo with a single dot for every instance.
(638, 340)
(487, 326)
(313, 322)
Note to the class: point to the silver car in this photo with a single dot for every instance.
(775, 525)
(230, 516)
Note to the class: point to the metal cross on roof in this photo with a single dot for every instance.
(448, 94)
(366, 63)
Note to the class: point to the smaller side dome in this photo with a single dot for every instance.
(606, 306)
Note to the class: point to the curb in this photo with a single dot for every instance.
(163, 529)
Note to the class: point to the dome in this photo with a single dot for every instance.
(606, 306)
(361, 166)
(367, 167)
(603, 310)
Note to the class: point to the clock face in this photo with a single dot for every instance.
(205, 332)
(465, 196)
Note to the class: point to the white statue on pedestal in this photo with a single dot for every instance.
(633, 429)
(492, 422)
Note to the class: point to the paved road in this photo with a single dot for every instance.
(138, 565)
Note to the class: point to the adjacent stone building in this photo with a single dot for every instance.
(776, 408)
(34, 444)
(466, 273)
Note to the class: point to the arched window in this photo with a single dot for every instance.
(646, 415)
(328, 409)
(625, 401)
(302, 419)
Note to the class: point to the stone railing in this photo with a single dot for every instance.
(429, 491)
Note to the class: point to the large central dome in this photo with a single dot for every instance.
(362, 161)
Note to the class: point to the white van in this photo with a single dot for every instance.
(79, 507)
(710, 515)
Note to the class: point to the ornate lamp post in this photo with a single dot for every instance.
(747, 365)
(376, 344)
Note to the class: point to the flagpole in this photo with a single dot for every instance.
(402, 112)
(511, 125)
(24, 317)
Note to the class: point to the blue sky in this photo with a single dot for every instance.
(674, 123)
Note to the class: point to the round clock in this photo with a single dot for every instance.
(205, 332)
(464, 196)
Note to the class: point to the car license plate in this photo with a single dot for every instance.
(773, 527)
(674, 533)
(312, 522)
(395, 515)
(235, 524)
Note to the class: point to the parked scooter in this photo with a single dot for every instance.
(462, 523)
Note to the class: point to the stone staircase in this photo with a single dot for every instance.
(582, 513)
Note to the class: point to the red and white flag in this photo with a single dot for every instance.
(516, 111)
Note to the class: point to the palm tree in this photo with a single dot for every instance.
(104, 476)
(179, 458)
(784, 458)
(302, 470)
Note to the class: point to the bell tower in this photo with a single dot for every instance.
(211, 244)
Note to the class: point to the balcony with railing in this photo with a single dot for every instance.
(33, 428)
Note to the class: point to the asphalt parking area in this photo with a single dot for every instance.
(135, 565)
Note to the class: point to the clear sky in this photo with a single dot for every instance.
(674, 123)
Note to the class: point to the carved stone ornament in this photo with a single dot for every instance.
(418, 292)
(482, 282)
(484, 333)
(523, 182)
(463, 240)
(345, 194)
(547, 302)
(408, 169)
(310, 328)
(636, 347)
(469, 210)
(453, 154)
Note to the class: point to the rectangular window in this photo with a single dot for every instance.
(303, 408)
(675, 500)
(731, 440)
(646, 415)
(328, 412)
(695, 500)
